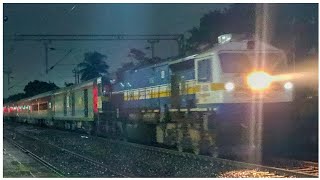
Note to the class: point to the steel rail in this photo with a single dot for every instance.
(89, 160)
(35, 157)
(275, 170)
(307, 167)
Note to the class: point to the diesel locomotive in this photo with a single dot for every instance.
(223, 101)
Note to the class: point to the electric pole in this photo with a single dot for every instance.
(8, 72)
(152, 43)
(76, 75)
(46, 55)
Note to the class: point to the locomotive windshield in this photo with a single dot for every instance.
(243, 63)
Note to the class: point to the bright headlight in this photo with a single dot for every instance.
(229, 86)
(259, 80)
(288, 85)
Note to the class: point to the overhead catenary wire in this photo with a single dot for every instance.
(61, 59)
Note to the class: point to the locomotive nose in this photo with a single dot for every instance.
(259, 80)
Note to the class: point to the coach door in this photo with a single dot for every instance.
(85, 100)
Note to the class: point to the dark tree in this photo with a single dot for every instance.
(292, 27)
(211, 25)
(123, 68)
(37, 87)
(93, 66)
(137, 54)
(15, 97)
(296, 28)
(141, 58)
(68, 84)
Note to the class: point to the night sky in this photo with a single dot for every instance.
(27, 60)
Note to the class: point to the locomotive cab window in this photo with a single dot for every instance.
(204, 70)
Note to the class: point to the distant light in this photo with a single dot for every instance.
(288, 85)
(72, 8)
(129, 84)
(112, 81)
(224, 38)
(229, 86)
(122, 84)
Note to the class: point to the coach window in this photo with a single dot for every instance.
(35, 107)
(43, 106)
(204, 70)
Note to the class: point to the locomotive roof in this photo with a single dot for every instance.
(229, 46)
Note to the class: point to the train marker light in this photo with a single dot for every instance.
(288, 85)
(259, 80)
(229, 86)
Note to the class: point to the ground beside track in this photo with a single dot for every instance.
(18, 164)
(136, 162)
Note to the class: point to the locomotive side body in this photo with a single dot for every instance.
(205, 102)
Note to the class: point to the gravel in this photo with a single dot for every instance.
(129, 160)
(70, 166)
(247, 174)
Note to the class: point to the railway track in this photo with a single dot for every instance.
(259, 170)
(310, 169)
(80, 159)
(35, 157)
(304, 167)
(268, 171)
